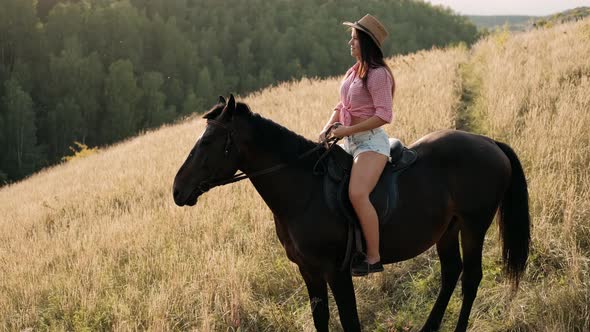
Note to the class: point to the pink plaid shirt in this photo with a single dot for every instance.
(365, 101)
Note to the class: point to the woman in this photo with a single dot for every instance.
(365, 105)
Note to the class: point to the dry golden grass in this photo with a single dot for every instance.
(98, 243)
(535, 95)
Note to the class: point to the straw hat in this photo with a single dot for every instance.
(372, 27)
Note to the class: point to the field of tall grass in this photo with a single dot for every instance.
(98, 244)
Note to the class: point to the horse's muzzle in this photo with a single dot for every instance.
(192, 198)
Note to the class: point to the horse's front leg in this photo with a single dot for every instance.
(318, 298)
(343, 290)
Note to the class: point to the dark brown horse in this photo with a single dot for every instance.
(453, 191)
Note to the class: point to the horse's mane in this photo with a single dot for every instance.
(271, 136)
(279, 140)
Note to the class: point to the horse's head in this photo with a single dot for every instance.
(214, 157)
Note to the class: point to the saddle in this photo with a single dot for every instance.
(337, 167)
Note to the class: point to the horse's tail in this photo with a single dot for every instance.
(514, 220)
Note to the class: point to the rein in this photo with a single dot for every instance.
(329, 142)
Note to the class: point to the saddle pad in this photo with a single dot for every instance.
(384, 197)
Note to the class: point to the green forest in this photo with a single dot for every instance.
(99, 71)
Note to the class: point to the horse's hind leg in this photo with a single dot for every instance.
(450, 268)
(472, 238)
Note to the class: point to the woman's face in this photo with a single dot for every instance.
(355, 47)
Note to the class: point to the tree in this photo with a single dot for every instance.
(245, 59)
(192, 104)
(204, 86)
(265, 78)
(3, 178)
(219, 80)
(64, 124)
(321, 61)
(152, 101)
(79, 66)
(88, 94)
(79, 79)
(65, 21)
(20, 155)
(19, 39)
(121, 118)
(117, 32)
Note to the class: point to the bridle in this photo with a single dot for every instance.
(328, 143)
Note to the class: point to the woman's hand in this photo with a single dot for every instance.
(323, 134)
(342, 131)
(333, 129)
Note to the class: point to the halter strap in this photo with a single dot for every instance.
(220, 124)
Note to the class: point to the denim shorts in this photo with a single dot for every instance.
(371, 140)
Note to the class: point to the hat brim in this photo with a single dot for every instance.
(357, 26)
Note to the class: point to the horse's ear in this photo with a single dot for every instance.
(222, 100)
(231, 104)
(230, 108)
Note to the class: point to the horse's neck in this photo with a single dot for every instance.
(286, 191)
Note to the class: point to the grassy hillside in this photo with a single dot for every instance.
(97, 243)
(523, 23)
(514, 22)
(575, 14)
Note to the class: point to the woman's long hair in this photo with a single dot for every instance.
(371, 57)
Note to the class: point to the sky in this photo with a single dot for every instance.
(510, 7)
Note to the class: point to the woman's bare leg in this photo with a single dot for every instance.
(366, 170)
